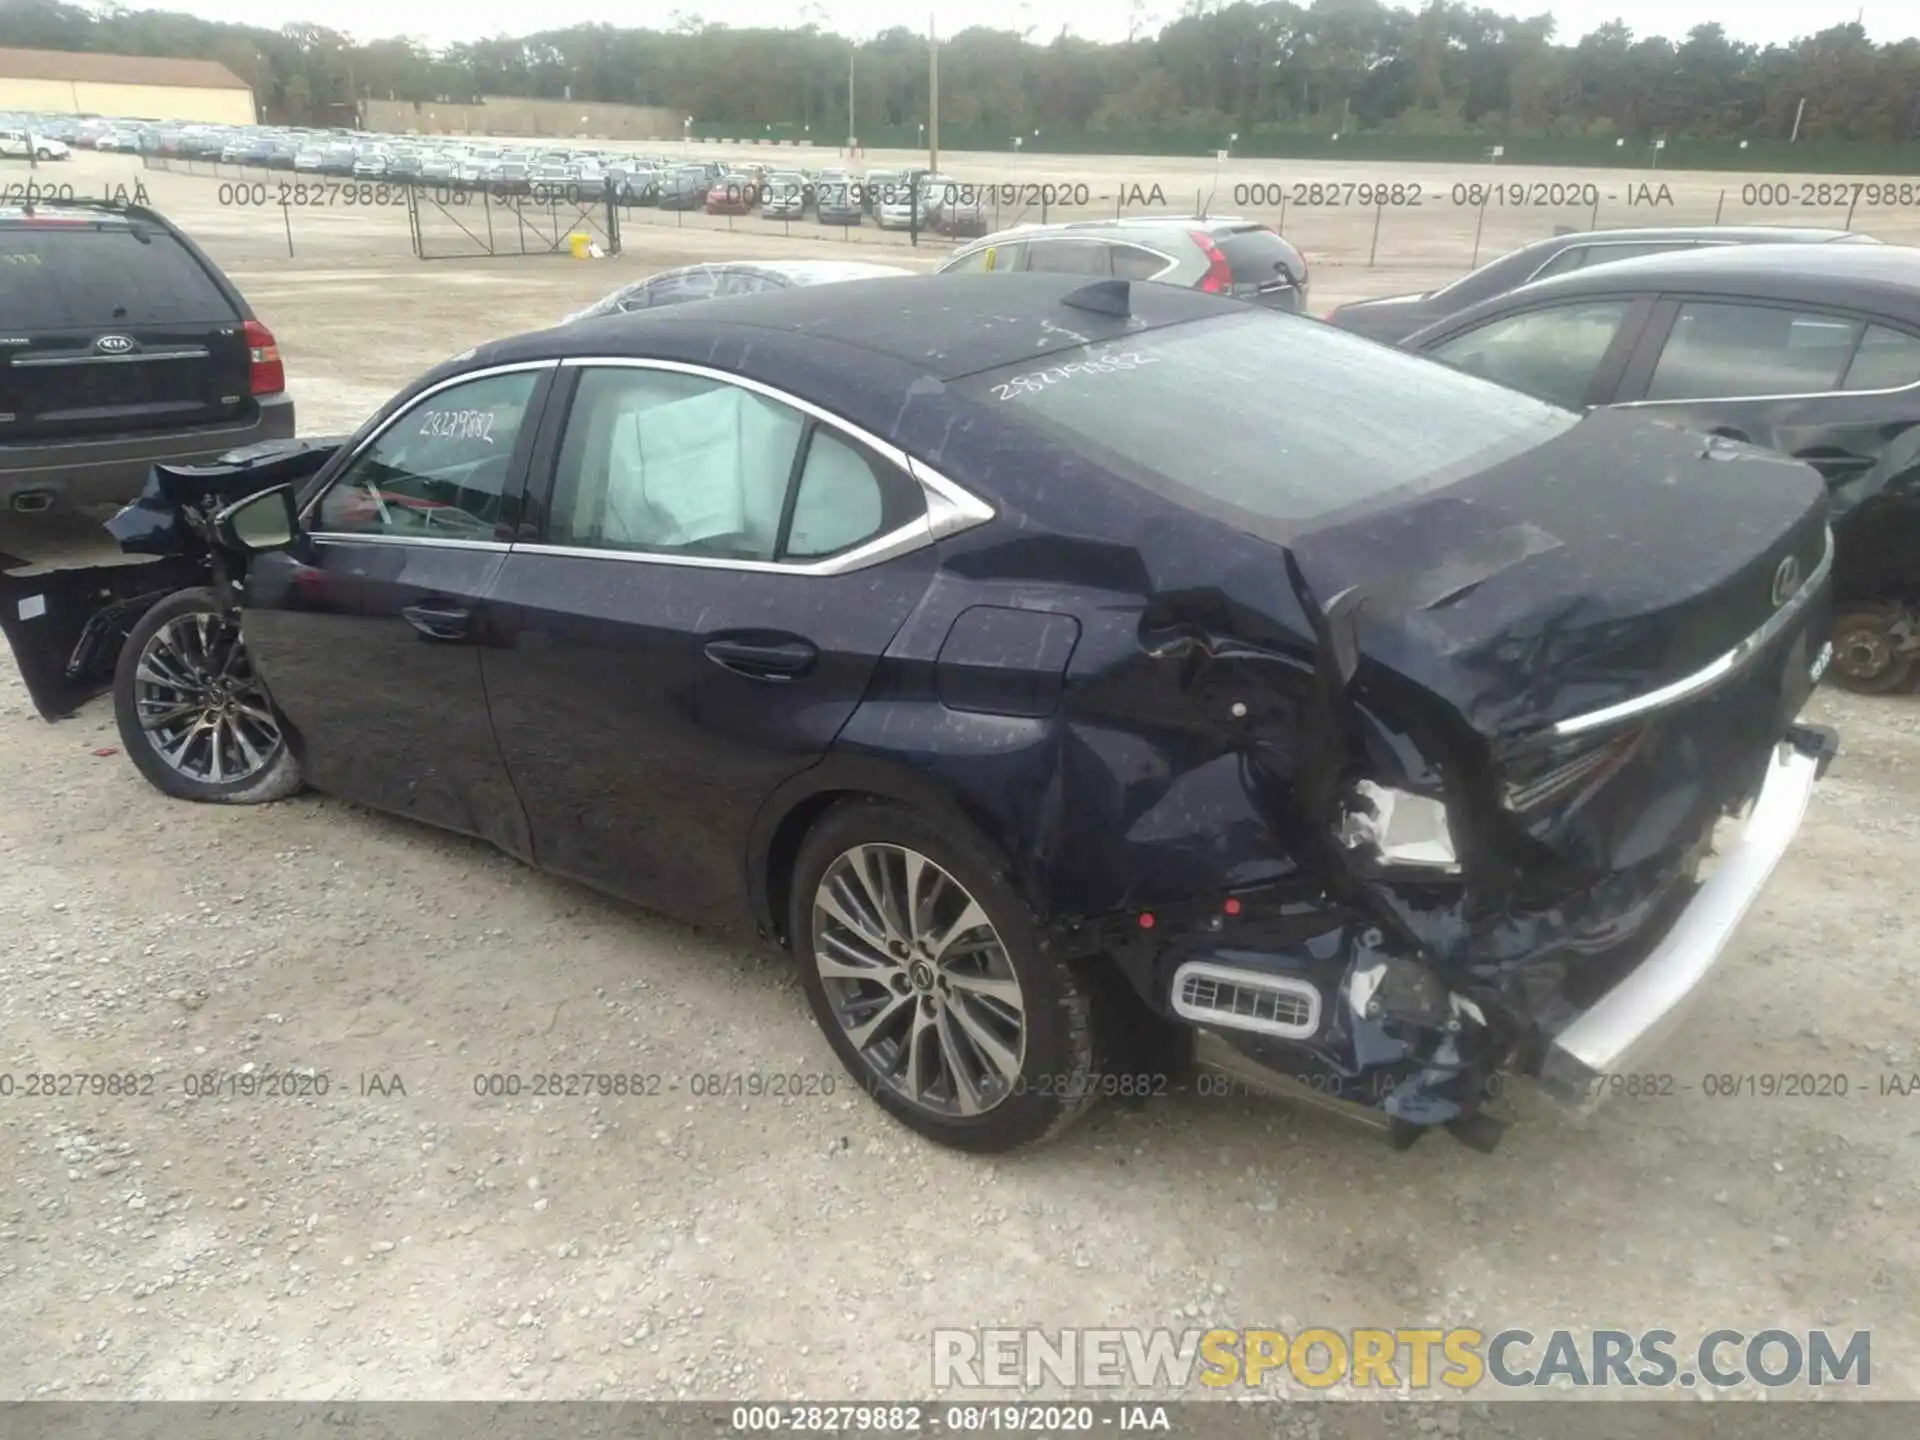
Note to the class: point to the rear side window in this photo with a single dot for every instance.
(74, 277)
(1069, 257)
(1886, 360)
(1553, 352)
(1133, 262)
(972, 263)
(1716, 351)
(1577, 256)
(1267, 421)
(674, 289)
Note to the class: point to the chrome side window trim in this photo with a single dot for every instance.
(951, 508)
(1785, 395)
(425, 395)
(428, 542)
(1789, 395)
(1710, 674)
(916, 535)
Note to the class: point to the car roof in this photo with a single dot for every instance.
(796, 272)
(1878, 277)
(108, 218)
(935, 326)
(1653, 234)
(1124, 225)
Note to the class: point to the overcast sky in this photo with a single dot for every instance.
(439, 22)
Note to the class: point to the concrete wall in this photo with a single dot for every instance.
(147, 102)
(506, 115)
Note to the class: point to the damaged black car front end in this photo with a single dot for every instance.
(66, 624)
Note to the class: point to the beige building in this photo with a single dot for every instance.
(523, 119)
(137, 86)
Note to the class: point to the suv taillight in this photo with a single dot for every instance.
(265, 374)
(1219, 276)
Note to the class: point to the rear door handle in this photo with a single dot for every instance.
(438, 624)
(785, 659)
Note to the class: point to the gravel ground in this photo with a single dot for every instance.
(402, 1236)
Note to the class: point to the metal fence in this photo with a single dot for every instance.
(1434, 225)
(442, 221)
(449, 223)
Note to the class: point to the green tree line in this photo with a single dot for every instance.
(1332, 66)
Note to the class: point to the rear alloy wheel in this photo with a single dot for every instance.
(923, 971)
(192, 712)
(1867, 652)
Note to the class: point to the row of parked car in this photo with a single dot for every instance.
(1070, 658)
(891, 199)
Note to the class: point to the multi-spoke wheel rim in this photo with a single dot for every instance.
(200, 704)
(919, 980)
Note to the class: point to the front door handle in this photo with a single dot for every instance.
(782, 659)
(438, 624)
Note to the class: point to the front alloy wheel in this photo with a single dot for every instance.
(193, 714)
(200, 704)
(931, 981)
(919, 980)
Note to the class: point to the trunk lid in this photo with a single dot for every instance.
(1617, 558)
(112, 327)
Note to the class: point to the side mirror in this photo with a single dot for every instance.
(261, 522)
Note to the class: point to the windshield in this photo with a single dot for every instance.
(1266, 420)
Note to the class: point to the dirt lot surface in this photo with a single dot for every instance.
(403, 1236)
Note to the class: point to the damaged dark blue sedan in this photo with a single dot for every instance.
(1062, 671)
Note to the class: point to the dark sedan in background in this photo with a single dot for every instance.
(1814, 351)
(1394, 317)
(963, 634)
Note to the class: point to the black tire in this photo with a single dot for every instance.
(275, 779)
(1056, 1083)
(1865, 659)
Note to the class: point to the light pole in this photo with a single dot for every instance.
(933, 96)
(852, 56)
(1016, 157)
(686, 132)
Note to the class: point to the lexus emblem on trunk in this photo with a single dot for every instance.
(1786, 580)
(114, 344)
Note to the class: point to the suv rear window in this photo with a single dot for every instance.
(1266, 421)
(72, 277)
(1257, 257)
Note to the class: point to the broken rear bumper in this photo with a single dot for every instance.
(1627, 1022)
